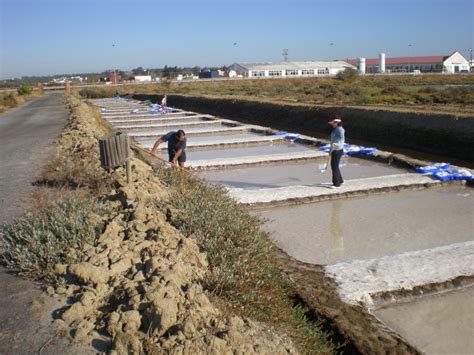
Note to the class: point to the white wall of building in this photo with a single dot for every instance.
(274, 71)
(456, 63)
(142, 78)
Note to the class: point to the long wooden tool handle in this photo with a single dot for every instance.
(137, 147)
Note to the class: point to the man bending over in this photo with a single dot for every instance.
(176, 147)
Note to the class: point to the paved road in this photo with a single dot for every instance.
(26, 136)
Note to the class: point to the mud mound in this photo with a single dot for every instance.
(138, 287)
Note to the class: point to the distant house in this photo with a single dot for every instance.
(142, 78)
(208, 74)
(113, 78)
(454, 63)
(289, 69)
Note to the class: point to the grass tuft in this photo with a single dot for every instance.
(35, 242)
(242, 271)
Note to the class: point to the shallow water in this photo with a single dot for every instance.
(298, 173)
(435, 324)
(374, 226)
(276, 148)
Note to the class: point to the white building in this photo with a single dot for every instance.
(289, 69)
(454, 63)
(142, 78)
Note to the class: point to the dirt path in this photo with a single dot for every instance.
(26, 135)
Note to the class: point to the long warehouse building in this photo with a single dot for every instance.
(289, 69)
(453, 63)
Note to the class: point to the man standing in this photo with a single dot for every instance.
(336, 151)
(176, 147)
(164, 101)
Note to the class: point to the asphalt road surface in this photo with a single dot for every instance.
(26, 137)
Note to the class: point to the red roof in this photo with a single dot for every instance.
(403, 60)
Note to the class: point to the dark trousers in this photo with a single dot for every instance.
(336, 156)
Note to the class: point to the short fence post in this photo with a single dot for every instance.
(115, 151)
(128, 164)
(68, 87)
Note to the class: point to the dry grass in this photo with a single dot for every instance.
(33, 244)
(9, 101)
(243, 274)
(12, 99)
(76, 162)
(391, 91)
(64, 212)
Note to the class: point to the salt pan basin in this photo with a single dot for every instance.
(436, 324)
(370, 227)
(302, 173)
(277, 148)
(148, 143)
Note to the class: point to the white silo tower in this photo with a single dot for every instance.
(361, 65)
(382, 63)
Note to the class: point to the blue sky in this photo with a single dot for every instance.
(42, 37)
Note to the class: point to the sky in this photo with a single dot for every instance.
(46, 37)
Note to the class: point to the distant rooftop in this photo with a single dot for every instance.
(295, 65)
(404, 60)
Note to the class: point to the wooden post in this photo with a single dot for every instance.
(128, 163)
(115, 151)
(68, 87)
(183, 180)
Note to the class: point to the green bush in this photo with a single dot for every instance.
(34, 243)
(427, 90)
(93, 94)
(364, 100)
(24, 90)
(352, 90)
(391, 90)
(348, 75)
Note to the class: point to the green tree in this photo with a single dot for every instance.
(347, 75)
(24, 90)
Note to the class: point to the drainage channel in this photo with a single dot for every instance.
(386, 232)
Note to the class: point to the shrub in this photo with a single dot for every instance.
(24, 90)
(352, 90)
(348, 75)
(93, 94)
(8, 100)
(34, 243)
(242, 270)
(364, 100)
(427, 90)
(391, 90)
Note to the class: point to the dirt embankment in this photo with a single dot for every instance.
(440, 134)
(138, 287)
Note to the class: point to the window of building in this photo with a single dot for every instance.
(323, 71)
(274, 72)
(292, 72)
(307, 72)
(258, 73)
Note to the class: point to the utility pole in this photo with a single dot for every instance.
(470, 61)
(409, 53)
(285, 55)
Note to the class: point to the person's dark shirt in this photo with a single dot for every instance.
(174, 143)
